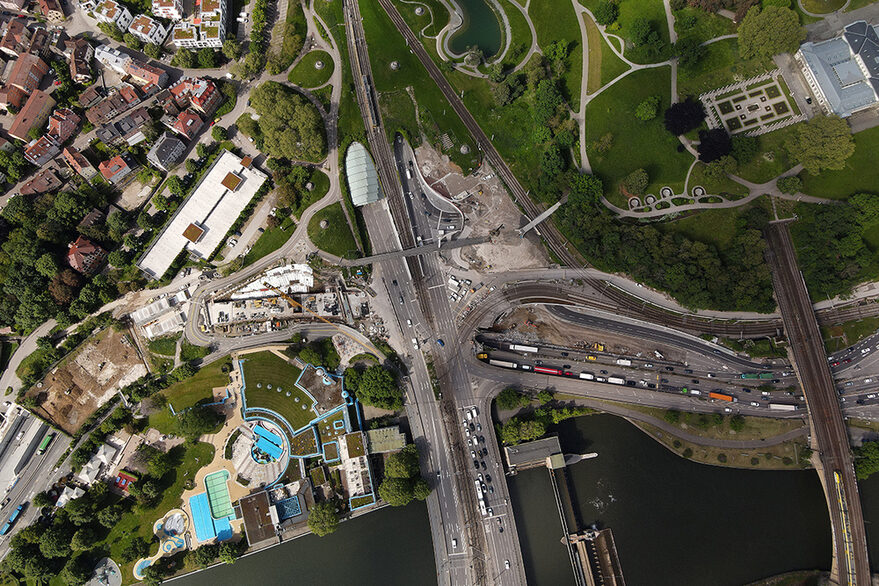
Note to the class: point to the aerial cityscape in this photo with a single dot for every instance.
(465, 292)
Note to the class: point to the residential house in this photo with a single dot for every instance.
(12, 96)
(52, 11)
(41, 150)
(28, 73)
(79, 163)
(128, 130)
(112, 58)
(92, 218)
(114, 170)
(43, 182)
(16, 37)
(90, 96)
(202, 94)
(70, 493)
(170, 9)
(85, 256)
(33, 115)
(99, 463)
(62, 124)
(148, 30)
(206, 28)
(123, 98)
(146, 74)
(187, 124)
(80, 53)
(113, 13)
(167, 152)
(16, 5)
(41, 44)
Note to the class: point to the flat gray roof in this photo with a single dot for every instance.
(531, 453)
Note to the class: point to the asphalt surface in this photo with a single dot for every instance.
(830, 435)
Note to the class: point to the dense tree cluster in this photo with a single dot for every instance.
(289, 127)
(607, 12)
(322, 519)
(682, 117)
(509, 399)
(375, 386)
(824, 142)
(831, 249)
(35, 231)
(697, 274)
(713, 144)
(402, 481)
(770, 31)
(866, 459)
(321, 352)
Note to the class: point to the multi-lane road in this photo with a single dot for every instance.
(829, 431)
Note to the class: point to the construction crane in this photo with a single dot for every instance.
(368, 347)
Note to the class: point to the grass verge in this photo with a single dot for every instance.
(336, 238)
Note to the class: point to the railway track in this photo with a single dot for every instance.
(831, 437)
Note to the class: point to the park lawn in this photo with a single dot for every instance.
(429, 24)
(839, 336)
(520, 34)
(555, 20)
(266, 368)
(510, 128)
(139, 522)
(707, 25)
(720, 66)
(189, 392)
(7, 349)
(861, 173)
(762, 169)
(306, 75)
(398, 114)
(350, 122)
(630, 10)
(855, 4)
(269, 241)
(822, 6)
(604, 65)
(294, 30)
(166, 345)
(336, 238)
(321, 183)
(717, 226)
(871, 236)
(437, 117)
(636, 144)
(726, 186)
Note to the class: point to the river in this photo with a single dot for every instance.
(386, 547)
(674, 521)
(481, 28)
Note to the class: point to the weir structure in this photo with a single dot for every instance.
(592, 552)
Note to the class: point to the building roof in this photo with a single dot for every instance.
(28, 72)
(9, 94)
(143, 25)
(258, 523)
(112, 167)
(533, 453)
(90, 96)
(148, 313)
(76, 159)
(212, 207)
(44, 181)
(385, 439)
(147, 72)
(15, 36)
(82, 253)
(362, 177)
(62, 124)
(47, 6)
(166, 151)
(28, 117)
(188, 123)
(41, 150)
(69, 493)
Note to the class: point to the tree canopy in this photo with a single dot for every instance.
(289, 125)
(322, 519)
(376, 386)
(713, 144)
(403, 464)
(867, 459)
(684, 116)
(770, 31)
(824, 142)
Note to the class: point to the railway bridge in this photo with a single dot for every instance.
(830, 437)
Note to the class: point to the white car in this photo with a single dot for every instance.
(506, 564)
(868, 380)
(871, 396)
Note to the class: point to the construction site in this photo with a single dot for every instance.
(87, 378)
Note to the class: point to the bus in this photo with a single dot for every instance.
(44, 445)
(11, 520)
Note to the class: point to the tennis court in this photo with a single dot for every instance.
(217, 492)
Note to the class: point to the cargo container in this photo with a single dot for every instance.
(615, 380)
(782, 407)
(502, 363)
(624, 362)
(587, 376)
(522, 348)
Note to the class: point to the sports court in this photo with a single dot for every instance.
(217, 491)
